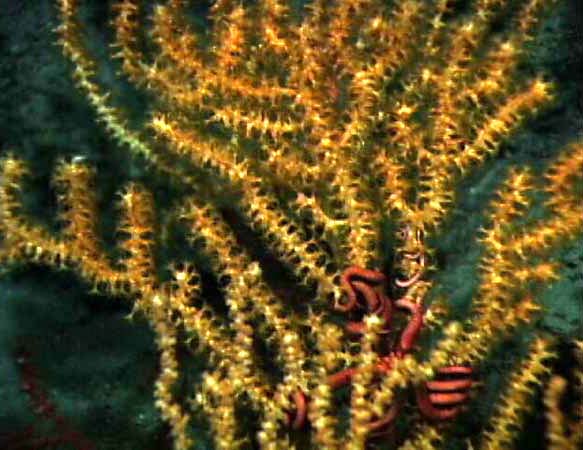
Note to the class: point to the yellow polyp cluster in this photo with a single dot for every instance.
(79, 217)
(218, 401)
(137, 232)
(13, 172)
(362, 383)
(304, 144)
(170, 409)
(426, 438)
(565, 432)
(126, 26)
(516, 399)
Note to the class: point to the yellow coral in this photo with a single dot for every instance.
(321, 127)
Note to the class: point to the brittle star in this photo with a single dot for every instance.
(437, 399)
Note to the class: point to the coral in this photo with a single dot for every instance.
(295, 172)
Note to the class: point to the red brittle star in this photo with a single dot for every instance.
(437, 399)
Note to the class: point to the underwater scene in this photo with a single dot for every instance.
(304, 224)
